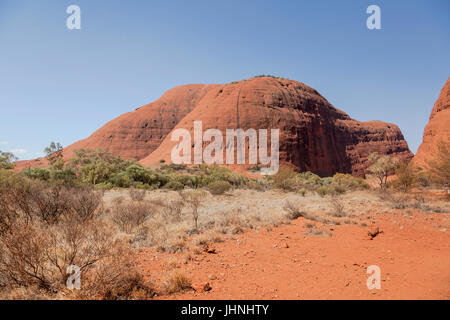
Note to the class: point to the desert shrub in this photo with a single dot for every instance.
(423, 179)
(400, 202)
(285, 179)
(338, 206)
(16, 194)
(346, 182)
(136, 194)
(51, 202)
(85, 201)
(163, 179)
(6, 160)
(120, 179)
(215, 173)
(171, 211)
(38, 255)
(98, 166)
(219, 187)
(178, 282)
(174, 167)
(323, 191)
(381, 167)
(138, 173)
(54, 155)
(258, 184)
(194, 199)
(116, 277)
(128, 216)
(37, 173)
(187, 180)
(293, 210)
(46, 227)
(66, 175)
(143, 176)
(174, 185)
(406, 177)
(309, 180)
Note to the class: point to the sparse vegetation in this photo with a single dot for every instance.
(60, 215)
(406, 177)
(178, 282)
(54, 155)
(137, 194)
(338, 206)
(218, 187)
(381, 167)
(6, 160)
(45, 228)
(194, 199)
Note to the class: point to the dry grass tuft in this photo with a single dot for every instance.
(178, 282)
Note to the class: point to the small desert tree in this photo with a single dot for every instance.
(381, 168)
(194, 199)
(406, 176)
(54, 155)
(6, 160)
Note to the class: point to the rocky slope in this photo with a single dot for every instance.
(437, 129)
(314, 135)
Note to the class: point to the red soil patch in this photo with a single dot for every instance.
(413, 252)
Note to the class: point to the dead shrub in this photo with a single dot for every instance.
(293, 210)
(178, 282)
(285, 179)
(128, 216)
(338, 206)
(171, 211)
(52, 227)
(194, 199)
(39, 254)
(317, 232)
(51, 202)
(84, 202)
(116, 277)
(136, 194)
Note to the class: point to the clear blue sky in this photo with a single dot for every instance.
(59, 84)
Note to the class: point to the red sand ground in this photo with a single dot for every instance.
(413, 253)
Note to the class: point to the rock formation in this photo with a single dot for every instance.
(437, 129)
(314, 135)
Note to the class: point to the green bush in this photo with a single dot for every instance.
(65, 175)
(219, 187)
(285, 179)
(349, 182)
(37, 173)
(323, 191)
(121, 180)
(174, 185)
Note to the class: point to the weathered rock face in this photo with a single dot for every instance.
(136, 134)
(437, 129)
(314, 135)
